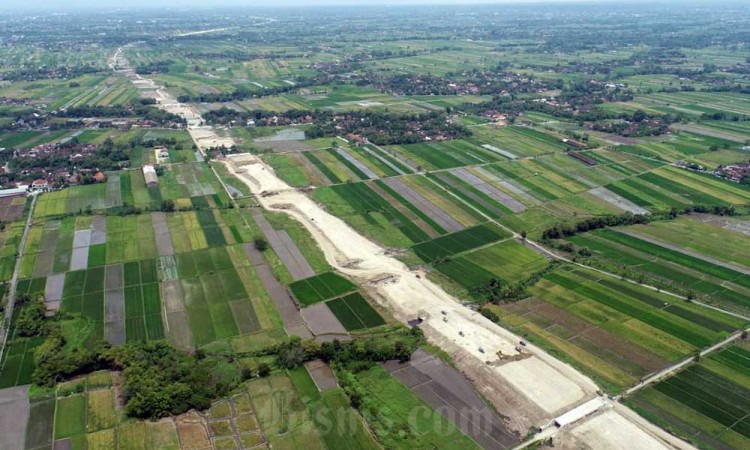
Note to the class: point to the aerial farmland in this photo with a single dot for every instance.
(445, 227)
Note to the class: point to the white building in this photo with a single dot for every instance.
(152, 180)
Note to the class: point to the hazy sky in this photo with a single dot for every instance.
(65, 4)
(58, 5)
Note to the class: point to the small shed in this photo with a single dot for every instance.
(152, 180)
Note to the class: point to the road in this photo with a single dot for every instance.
(12, 293)
(680, 365)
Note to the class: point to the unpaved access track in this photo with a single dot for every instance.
(529, 389)
(536, 388)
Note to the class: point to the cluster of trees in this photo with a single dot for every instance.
(356, 354)
(497, 292)
(482, 82)
(381, 128)
(154, 67)
(136, 109)
(42, 73)
(158, 380)
(30, 321)
(243, 93)
(560, 231)
(240, 56)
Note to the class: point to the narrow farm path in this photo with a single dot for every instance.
(5, 325)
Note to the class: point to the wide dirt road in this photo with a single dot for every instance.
(530, 390)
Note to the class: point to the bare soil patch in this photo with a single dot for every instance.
(321, 321)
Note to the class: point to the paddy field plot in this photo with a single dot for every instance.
(296, 169)
(365, 210)
(17, 367)
(684, 146)
(507, 262)
(485, 198)
(10, 240)
(282, 414)
(698, 103)
(340, 426)
(217, 303)
(71, 200)
(334, 167)
(518, 140)
(642, 248)
(670, 186)
(458, 242)
(445, 155)
(320, 288)
(707, 404)
(617, 332)
(354, 312)
(40, 422)
(433, 215)
(385, 390)
(12, 208)
(123, 301)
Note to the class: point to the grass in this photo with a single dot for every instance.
(341, 426)
(101, 440)
(132, 436)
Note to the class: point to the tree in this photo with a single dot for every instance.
(261, 244)
(639, 116)
(167, 205)
(31, 319)
(291, 355)
(264, 370)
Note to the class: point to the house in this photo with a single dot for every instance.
(152, 180)
(574, 144)
(100, 177)
(162, 154)
(39, 185)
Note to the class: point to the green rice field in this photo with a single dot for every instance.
(320, 288)
(617, 332)
(706, 404)
(354, 312)
(712, 277)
